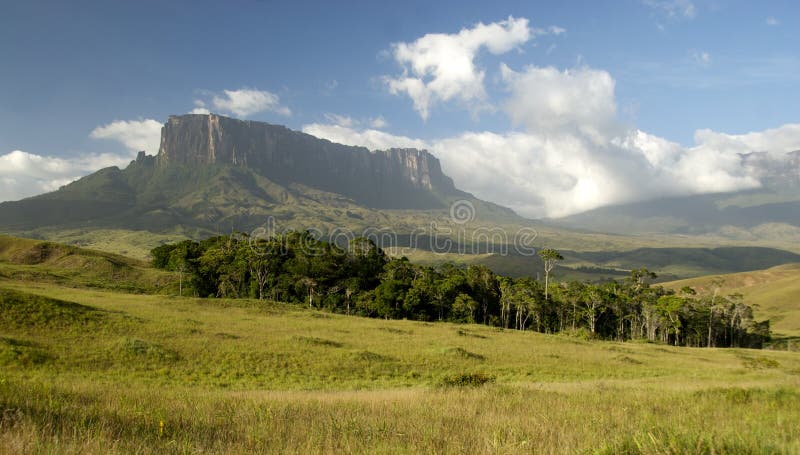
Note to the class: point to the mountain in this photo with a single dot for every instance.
(768, 213)
(215, 173)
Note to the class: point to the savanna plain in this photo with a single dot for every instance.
(97, 362)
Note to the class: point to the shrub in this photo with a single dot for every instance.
(467, 380)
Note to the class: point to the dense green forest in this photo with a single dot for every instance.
(362, 280)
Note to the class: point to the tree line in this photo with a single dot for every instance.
(361, 280)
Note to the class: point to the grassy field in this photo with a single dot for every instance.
(95, 371)
(776, 291)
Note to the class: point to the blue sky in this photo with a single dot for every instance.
(676, 66)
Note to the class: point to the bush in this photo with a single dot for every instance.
(467, 380)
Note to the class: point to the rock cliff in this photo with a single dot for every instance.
(395, 178)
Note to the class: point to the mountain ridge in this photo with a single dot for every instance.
(214, 172)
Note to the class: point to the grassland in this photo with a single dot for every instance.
(776, 291)
(95, 371)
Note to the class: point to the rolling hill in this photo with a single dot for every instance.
(776, 291)
(93, 371)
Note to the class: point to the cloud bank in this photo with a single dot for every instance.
(569, 151)
(135, 135)
(246, 102)
(25, 174)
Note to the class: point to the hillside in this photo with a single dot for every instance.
(42, 261)
(92, 371)
(776, 291)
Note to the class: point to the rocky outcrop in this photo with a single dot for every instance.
(395, 178)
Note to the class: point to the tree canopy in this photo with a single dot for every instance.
(362, 280)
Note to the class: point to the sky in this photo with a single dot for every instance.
(550, 108)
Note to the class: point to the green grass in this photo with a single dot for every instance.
(95, 371)
(35, 260)
(776, 291)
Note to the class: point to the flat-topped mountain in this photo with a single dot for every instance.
(395, 178)
(218, 173)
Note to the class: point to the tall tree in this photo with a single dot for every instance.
(550, 257)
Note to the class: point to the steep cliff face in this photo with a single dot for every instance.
(395, 178)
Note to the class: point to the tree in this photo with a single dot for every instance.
(550, 257)
(672, 307)
(464, 309)
(594, 299)
(716, 284)
(310, 284)
(483, 283)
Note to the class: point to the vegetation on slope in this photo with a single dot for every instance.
(361, 280)
(255, 376)
(24, 259)
(774, 292)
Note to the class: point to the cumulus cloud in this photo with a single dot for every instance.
(378, 122)
(574, 153)
(246, 101)
(441, 67)
(560, 173)
(135, 135)
(776, 141)
(772, 22)
(369, 138)
(200, 108)
(25, 174)
(549, 100)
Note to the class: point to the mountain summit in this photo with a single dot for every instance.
(394, 178)
(213, 172)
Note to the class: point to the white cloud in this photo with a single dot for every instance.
(441, 67)
(135, 135)
(378, 122)
(772, 22)
(700, 57)
(25, 174)
(369, 138)
(575, 154)
(551, 30)
(347, 121)
(776, 141)
(245, 102)
(562, 173)
(341, 120)
(673, 8)
(547, 100)
(200, 108)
